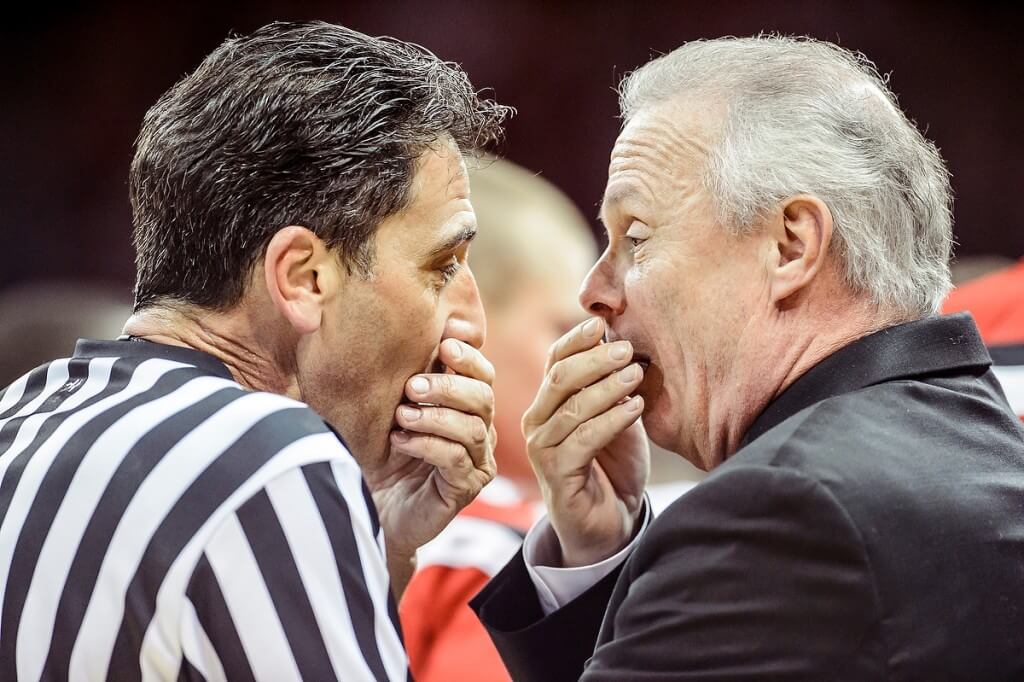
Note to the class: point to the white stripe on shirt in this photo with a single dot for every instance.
(247, 597)
(314, 558)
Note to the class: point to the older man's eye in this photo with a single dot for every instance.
(635, 243)
(637, 234)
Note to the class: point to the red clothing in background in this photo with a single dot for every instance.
(997, 303)
(444, 639)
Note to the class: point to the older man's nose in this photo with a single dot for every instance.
(601, 293)
(467, 321)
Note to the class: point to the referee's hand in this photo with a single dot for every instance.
(442, 455)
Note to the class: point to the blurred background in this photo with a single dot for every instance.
(77, 82)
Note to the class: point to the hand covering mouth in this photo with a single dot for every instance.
(435, 366)
(642, 359)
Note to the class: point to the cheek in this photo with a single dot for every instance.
(658, 303)
(402, 334)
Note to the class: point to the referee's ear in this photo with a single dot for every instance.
(298, 276)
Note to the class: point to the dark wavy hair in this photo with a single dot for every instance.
(307, 124)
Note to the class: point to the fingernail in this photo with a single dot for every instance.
(401, 436)
(630, 374)
(635, 404)
(455, 349)
(592, 327)
(619, 350)
(419, 385)
(410, 413)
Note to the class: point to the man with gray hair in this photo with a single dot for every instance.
(779, 236)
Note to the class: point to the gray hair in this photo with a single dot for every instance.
(805, 116)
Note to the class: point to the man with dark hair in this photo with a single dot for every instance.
(298, 395)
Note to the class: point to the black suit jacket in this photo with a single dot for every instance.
(871, 528)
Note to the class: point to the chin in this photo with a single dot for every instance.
(660, 428)
(662, 424)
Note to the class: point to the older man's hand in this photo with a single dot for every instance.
(587, 445)
(440, 459)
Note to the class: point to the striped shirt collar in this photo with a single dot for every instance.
(88, 348)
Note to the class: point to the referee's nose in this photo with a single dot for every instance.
(466, 321)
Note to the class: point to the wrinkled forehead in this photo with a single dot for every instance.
(661, 149)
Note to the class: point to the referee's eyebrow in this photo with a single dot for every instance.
(466, 234)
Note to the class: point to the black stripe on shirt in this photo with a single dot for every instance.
(335, 514)
(214, 615)
(33, 387)
(78, 370)
(371, 508)
(13, 474)
(196, 505)
(129, 475)
(273, 555)
(188, 673)
(48, 498)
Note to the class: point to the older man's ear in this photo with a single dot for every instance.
(800, 233)
(299, 277)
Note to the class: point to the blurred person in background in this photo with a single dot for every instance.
(995, 299)
(236, 488)
(529, 258)
(779, 235)
(42, 320)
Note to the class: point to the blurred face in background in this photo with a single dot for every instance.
(520, 334)
(531, 253)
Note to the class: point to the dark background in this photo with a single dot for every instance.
(76, 84)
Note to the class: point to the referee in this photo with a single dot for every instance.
(236, 488)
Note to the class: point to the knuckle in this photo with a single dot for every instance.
(479, 431)
(486, 369)
(439, 416)
(465, 495)
(446, 385)
(463, 462)
(452, 457)
(573, 406)
(585, 434)
(557, 373)
(427, 443)
(486, 397)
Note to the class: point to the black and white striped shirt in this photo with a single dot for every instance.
(159, 522)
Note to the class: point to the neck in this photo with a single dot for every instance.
(792, 344)
(224, 335)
